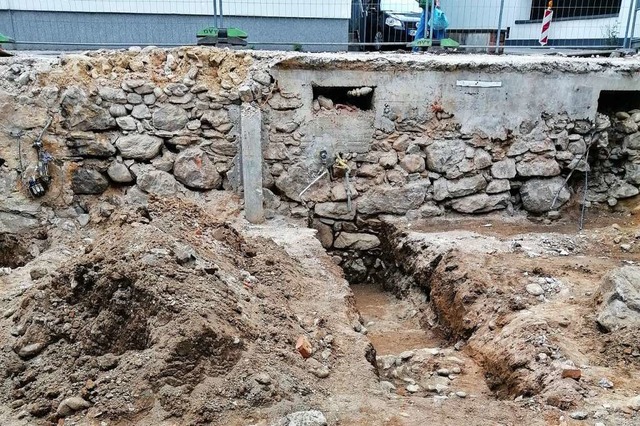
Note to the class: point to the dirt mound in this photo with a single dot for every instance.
(172, 312)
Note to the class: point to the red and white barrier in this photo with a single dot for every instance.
(546, 25)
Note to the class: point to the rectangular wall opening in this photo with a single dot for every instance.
(358, 97)
(611, 101)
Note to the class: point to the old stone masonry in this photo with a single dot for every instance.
(166, 122)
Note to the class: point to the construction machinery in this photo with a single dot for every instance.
(219, 35)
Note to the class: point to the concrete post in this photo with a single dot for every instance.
(251, 159)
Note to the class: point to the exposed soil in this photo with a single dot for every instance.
(475, 282)
(180, 313)
(392, 323)
(171, 314)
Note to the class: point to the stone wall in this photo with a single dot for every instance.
(124, 125)
(166, 122)
(427, 167)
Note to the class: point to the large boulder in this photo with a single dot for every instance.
(296, 178)
(444, 188)
(170, 118)
(120, 173)
(81, 114)
(622, 190)
(157, 182)
(280, 103)
(442, 155)
(538, 194)
(88, 181)
(393, 200)
(325, 233)
(632, 142)
(538, 165)
(194, 169)
(504, 169)
(111, 94)
(13, 223)
(139, 146)
(413, 163)
(90, 145)
(18, 214)
(632, 173)
(620, 293)
(216, 117)
(481, 203)
(339, 211)
(356, 241)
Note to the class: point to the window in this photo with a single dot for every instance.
(575, 8)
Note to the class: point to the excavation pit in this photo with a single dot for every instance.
(474, 298)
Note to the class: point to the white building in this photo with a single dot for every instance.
(575, 22)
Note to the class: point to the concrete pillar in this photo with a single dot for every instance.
(251, 160)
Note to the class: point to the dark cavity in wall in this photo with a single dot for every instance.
(611, 101)
(358, 97)
(15, 249)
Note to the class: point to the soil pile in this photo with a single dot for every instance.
(171, 312)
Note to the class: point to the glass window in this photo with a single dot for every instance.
(575, 8)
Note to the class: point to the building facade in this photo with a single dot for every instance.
(72, 24)
(580, 23)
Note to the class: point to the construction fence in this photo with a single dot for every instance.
(324, 25)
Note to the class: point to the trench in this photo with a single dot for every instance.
(417, 355)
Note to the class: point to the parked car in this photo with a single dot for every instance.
(384, 21)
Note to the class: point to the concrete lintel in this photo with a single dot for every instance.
(251, 159)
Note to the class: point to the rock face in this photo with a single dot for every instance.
(81, 114)
(620, 292)
(170, 118)
(139, 147)
(387, 199)
(88, 181)
(538, 194)
(194, 169)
